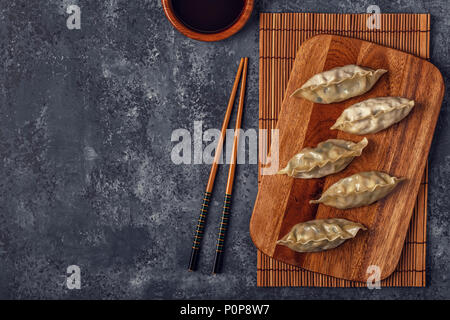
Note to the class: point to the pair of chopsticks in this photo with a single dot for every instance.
(212, 176)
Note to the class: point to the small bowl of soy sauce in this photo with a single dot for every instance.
(208, 20)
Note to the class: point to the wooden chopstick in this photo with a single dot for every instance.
(212, 175)
(228, 192)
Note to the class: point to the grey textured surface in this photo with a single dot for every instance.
(85, 139)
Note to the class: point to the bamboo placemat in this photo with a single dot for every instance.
(281, 34)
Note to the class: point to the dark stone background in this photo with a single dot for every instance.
(85, 138)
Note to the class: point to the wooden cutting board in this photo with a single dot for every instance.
(400, 150)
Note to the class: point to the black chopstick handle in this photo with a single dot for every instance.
(199, 231)
(222, 233)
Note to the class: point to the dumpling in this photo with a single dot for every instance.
(339, 84)
(320, 235)
(361, 189)
(373, 115)
(328, 157)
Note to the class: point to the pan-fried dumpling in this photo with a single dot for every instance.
(361, 189)
(328, 157)
(339, 84)
(373, 115)
(320, 235)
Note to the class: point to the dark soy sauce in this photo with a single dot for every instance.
(208, 16)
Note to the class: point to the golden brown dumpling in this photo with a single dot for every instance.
(373, 115)
(339, 84)
(361, 189)
(320, 235)
(329, 157)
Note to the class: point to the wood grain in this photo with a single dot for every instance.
(411, 269)
(283, 202)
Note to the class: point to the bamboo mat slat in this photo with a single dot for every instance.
(281, 34)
